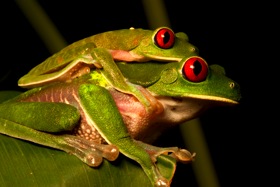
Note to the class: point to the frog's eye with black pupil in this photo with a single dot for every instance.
(195, 69)
(164, 38)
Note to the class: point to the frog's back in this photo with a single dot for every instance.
(108, 40)
(123, 39)
(81, 49)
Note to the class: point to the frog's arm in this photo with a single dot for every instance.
(115, 77)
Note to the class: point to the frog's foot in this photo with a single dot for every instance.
(181, 155)
(90, 152)
(160, 180)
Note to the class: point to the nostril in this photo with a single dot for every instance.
(231, 85)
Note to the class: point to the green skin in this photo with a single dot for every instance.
(92, 105)
(102, 51)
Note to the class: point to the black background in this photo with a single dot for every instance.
(231, 34)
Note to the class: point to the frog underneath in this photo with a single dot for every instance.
(92, 119)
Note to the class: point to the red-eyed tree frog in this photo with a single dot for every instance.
(127, 45)
(104, 49)
(93, 119)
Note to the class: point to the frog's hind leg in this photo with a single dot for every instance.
(89, 152)
(61, 67)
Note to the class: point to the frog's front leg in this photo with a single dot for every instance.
(109, 123)
(115, 77)
(22, 120)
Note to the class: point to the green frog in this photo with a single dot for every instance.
(93, 119)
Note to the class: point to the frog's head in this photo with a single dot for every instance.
(192, 78)
(184, 89)
(163, 44)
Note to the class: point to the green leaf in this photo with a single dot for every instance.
(27, 164)
(5, 95)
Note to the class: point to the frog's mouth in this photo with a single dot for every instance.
(162, 58)
(215, 99)
(212, 98)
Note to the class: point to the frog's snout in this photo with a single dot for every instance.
(235, 89)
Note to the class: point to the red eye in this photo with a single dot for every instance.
(195, 69)
(164, 38)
